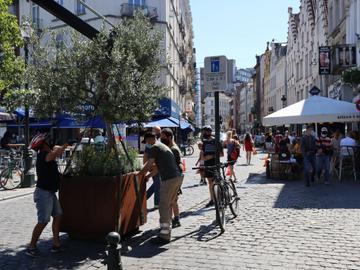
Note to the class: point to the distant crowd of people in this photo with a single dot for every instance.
(317, 154)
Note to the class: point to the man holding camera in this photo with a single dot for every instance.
(47, 204)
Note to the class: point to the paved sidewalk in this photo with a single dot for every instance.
(11, 194)
(282, 225)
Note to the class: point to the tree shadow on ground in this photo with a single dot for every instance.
(75, 255)
(294, 193)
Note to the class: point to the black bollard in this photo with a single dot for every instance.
(114, 259)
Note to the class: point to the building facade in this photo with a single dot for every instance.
(307, 30)
(224, 110)
(172, 18)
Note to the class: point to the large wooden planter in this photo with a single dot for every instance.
(91, 205)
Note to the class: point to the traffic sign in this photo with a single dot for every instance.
(314, 91)
(215, 73)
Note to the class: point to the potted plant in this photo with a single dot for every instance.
(114, 77)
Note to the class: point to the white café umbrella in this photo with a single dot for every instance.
(315, 109)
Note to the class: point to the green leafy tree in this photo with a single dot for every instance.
(11, 65)
(116, 78)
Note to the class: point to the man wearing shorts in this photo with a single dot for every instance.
(210, 146)
(47, 185)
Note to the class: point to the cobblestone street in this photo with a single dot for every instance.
(282, 225)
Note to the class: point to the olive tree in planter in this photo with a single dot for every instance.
(115, 78)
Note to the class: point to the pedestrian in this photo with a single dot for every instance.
(171, 179)
(167, 138)
(6, 140)
(324, 152)
(47, 204)
(248, 147)
(154, 189)
(278, 138)
(233, 152)
(335, 145)
(200, 163)
(210, 147)
(308, 149)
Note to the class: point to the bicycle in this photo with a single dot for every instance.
(225, 193)
(187, 149)
(12, 176)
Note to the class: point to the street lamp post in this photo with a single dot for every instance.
(29, 177)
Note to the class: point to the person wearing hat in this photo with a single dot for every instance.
(47, 185)
(209, 148)
(171, 180)
(324, 152)
(308, 149)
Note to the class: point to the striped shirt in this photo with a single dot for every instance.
(324, 143)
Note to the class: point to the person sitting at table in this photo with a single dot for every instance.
(347, 142)
(6, 140)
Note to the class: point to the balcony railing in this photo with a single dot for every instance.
(128, 10)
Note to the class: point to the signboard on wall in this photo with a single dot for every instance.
(324, 60)
(215, 73)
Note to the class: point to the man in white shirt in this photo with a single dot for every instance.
(347, 141)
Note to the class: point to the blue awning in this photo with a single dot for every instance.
(40, 124)
(165, 122)
(186, 125)
(66, 121)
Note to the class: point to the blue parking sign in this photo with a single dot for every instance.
(215, 65)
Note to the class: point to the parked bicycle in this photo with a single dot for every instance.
(12, 176)
(187, 149)
(225, 193)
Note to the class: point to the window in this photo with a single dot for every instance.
(35, 12)
(60, 2)
(137, 2)
(80, 8)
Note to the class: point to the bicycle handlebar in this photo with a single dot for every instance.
(218, 166)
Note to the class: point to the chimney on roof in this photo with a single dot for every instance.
(290, 10)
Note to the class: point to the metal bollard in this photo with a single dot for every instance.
(114, 259)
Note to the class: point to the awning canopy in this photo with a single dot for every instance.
(315, 109)
(186, 125)
(39, 125)
(165, 122)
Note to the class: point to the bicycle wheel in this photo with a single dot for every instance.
(234, 199)
(220, 205)
(11, 178)
(189, 150)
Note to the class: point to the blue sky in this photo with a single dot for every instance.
(238, 29)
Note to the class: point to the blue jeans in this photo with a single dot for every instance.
(309, 167)
(154, 189)
(323, 163)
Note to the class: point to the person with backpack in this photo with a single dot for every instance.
(233, 152)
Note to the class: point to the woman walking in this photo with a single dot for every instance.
(233, 151)
(248, 147)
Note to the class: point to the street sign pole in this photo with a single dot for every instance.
(217, 126)
(216, 82)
